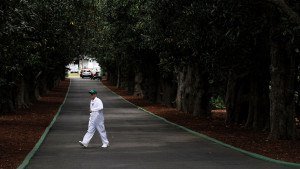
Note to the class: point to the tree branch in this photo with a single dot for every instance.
(286, 10)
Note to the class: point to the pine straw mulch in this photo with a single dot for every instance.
(235, 135)
(20, 130)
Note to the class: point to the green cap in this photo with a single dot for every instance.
(93, 91)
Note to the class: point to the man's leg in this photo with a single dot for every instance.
(90, 132)
(102, 132)
(101, 129)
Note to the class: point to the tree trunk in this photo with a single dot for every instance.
(113, 77)
(124, 81)
(131, 81)
(150, 85)
(31, 86)
(118, 77)
(36, 85)
(150, 80)
(259, 102)
(297, 83)
(27, 93)
(43, 88)
(137, 84)
(237, 97)
(124, 78)
(282, 100)
(21, 93)
(247, 96)
(192, 92)
(167, 92)
(258, 113)
(7, 95)
(6, 105)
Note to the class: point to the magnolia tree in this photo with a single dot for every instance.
(183, 54)
(241, 52)
(38, 39)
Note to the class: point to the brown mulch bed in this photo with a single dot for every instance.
(235, 135)
(20, 131)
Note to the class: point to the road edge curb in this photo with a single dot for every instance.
(258, 156)
(42, 138)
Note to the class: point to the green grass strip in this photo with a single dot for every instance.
(258, 156)
(73, 74)
(38, 144)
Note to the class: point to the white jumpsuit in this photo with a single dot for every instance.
(96, 122)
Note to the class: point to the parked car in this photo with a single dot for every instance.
(74, 70)
(85, 73)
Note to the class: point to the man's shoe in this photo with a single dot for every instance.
(83, 145)
(105, 145)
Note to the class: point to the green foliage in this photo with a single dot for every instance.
(217, 103)
(220, 35)
(41, 36)
(133, 36)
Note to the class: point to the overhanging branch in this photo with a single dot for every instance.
(286, 10)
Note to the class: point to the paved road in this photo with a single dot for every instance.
(138, 140)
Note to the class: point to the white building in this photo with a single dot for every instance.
(85, 63)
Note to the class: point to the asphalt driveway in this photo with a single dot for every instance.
(138, 140)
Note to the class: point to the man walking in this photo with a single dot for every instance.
(96, 121)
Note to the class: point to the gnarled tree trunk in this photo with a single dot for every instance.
(282, 99)
(192, 92)
(137, 84)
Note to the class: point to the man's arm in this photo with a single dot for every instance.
(97, 106)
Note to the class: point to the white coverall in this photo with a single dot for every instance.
(96, 122)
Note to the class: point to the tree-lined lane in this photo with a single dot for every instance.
(138, 140)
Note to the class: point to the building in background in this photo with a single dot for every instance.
(84, 62)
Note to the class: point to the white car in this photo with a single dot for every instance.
(85, 73)
(74, 70)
